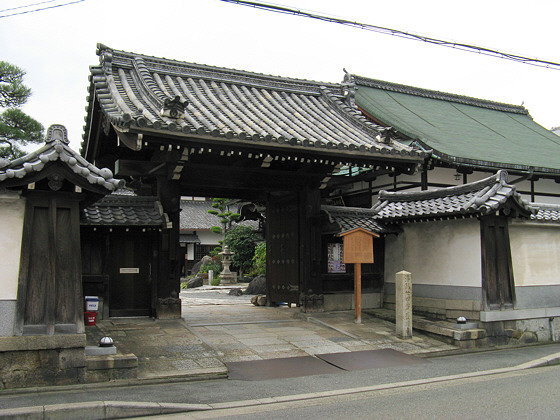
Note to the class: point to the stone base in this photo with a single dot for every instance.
(111, 367)
(27, 361)
(228, 279)
(312, 303)
(345, 301)
(169, 308)
(100, 351)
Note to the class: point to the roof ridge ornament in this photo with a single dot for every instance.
(57, 132)
(349, 89)
(174, 107)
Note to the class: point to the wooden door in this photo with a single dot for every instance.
(130, 280)
(497, 272)
(282, 238)
(50, 288)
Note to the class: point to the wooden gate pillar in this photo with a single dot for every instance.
(311, 287)
(170, 257)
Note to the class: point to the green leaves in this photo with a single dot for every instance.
(13, 92)
(17, 129)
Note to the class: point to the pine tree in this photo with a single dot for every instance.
(17, 129)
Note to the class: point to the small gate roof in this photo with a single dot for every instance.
(57, 161)
(461, 129)
(546, 213)
(349, 218)
(124, 209)
(147, 94)
(482, 197)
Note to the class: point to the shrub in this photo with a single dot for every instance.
(241, 241)
(215, 266)
(259, 260)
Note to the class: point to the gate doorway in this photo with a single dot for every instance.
(130, 285)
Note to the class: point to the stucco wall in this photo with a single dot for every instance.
(12, 210)
(209, 238)
(535, 253)
(441, 253)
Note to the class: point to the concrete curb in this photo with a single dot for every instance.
(119, 409)
(202, 375)
(94, 410)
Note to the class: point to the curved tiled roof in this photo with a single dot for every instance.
(477, 198)
(28, 168)
(349, 218)
(547, 213)
(184, 99)
(124, 209)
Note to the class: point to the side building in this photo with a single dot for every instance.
(467, 138)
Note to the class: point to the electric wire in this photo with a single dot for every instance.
(39, 9)
(27, 5)
(398, 33)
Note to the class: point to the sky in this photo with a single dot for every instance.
(56, 47)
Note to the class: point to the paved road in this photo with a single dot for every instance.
(529, 394)
(220, 391)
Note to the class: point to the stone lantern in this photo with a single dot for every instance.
(226, 276)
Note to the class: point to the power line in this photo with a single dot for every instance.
(38, 10)
(395, 32)
(28, 5)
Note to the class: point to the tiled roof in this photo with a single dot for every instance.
(189, 238)
(349, 218)
(182, 99)
(546, 213)
(194, 215)
(478, 198)
(124, 210)
(32, 167)
(462, 130)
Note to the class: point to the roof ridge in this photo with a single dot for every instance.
(314, 85)
(444, 96)
(501, 176)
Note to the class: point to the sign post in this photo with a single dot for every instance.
(358, 250)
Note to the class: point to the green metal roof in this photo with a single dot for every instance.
(460, 129)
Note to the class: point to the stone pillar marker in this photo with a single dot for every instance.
(403, 300)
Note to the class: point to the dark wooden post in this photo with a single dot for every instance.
(358, 250)
(169, 278)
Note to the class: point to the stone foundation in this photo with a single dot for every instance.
(440, 308)
(345, 301)
(169, 308)
(111, 367)
(28, 361)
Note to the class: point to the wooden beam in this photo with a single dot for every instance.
(138, 168)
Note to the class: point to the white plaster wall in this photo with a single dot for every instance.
(444, 253)
(541, 186)
(12, 210)
(209, 238)
(535, 253)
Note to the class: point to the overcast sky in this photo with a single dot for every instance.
(57, 46)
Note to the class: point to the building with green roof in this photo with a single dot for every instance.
(468, 139)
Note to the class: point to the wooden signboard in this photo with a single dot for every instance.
(358, 250)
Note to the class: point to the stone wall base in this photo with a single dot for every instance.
(440, 308)
(169, 308)
(111, 367)
(29, 361)
(345, 301)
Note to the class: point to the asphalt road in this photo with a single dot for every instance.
(528, 394)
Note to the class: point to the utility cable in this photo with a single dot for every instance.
(27, 5)
(395, 32)
(40, 9)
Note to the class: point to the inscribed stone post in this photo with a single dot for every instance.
(403, 297)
